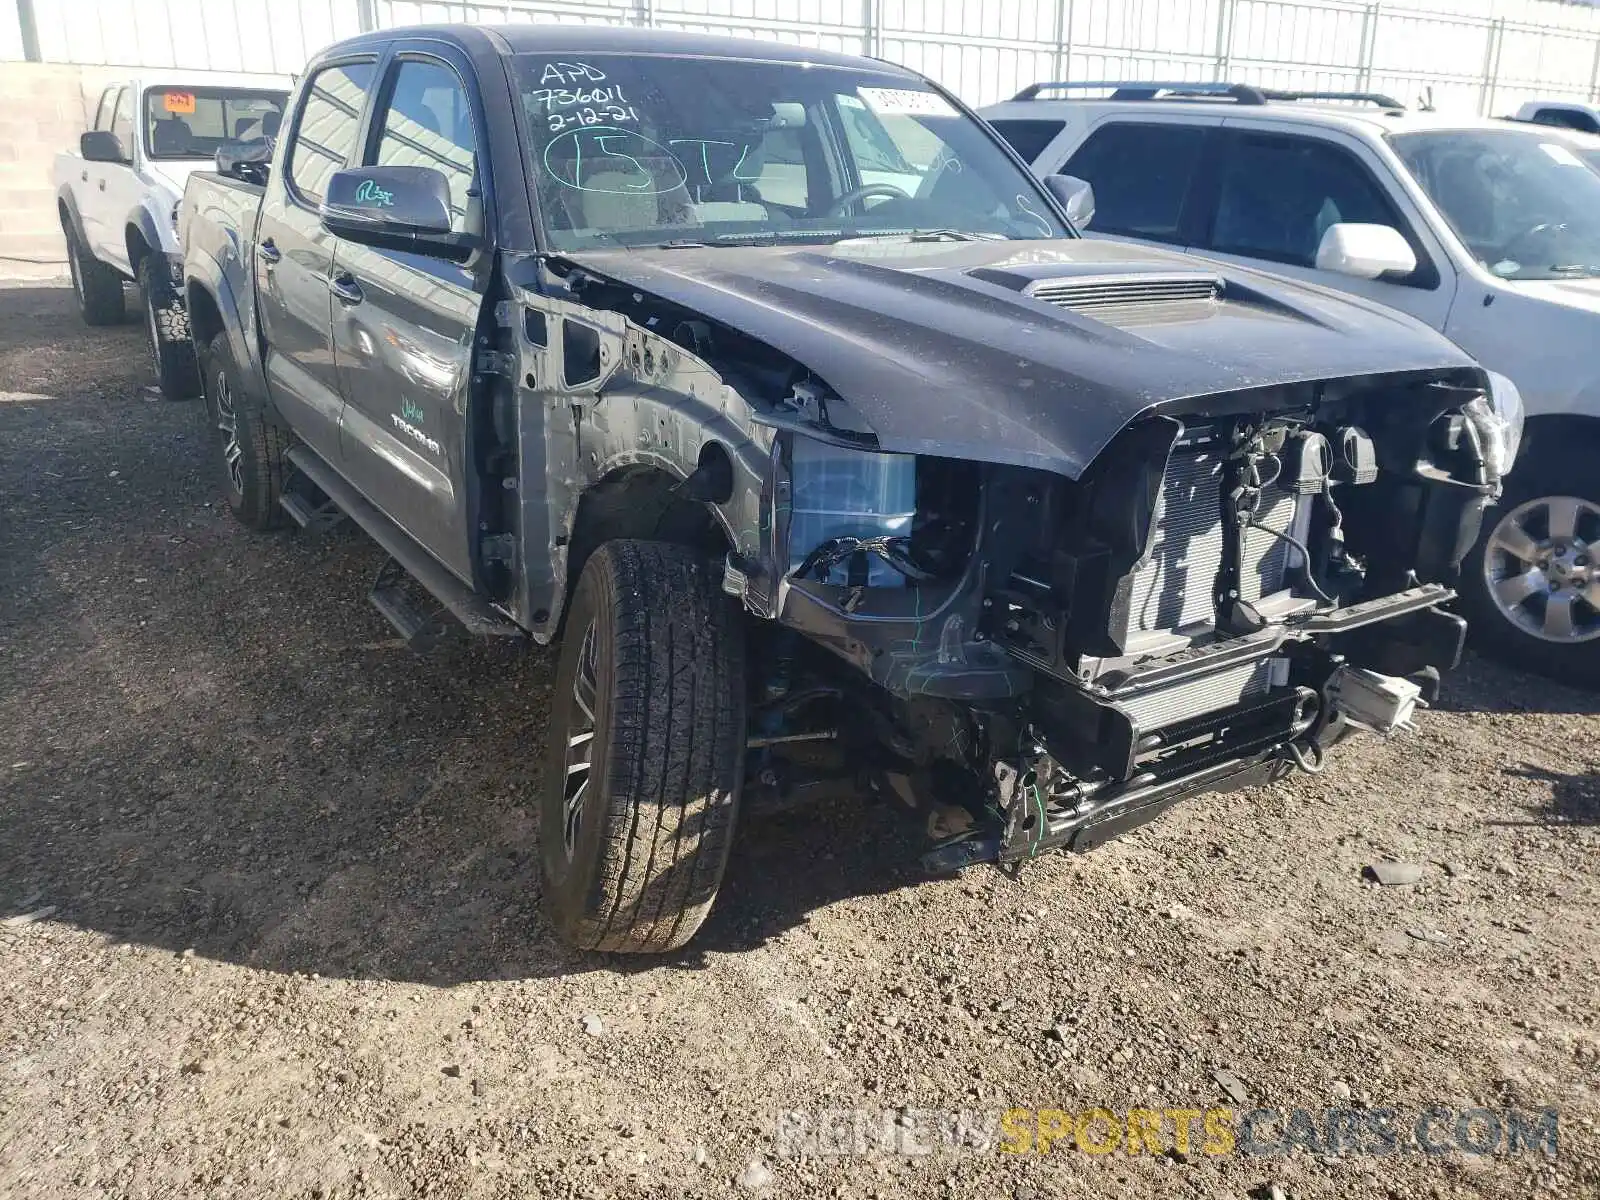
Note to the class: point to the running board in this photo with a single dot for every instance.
(459, 600)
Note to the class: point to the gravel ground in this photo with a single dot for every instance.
(279, 927)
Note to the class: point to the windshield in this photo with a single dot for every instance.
(640, 150)
(1525, 202)
(193, 122)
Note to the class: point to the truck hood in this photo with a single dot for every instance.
(1570, 293)
(941, 348)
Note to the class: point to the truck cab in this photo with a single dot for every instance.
(118, 192)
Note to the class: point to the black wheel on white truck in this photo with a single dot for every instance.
(97, 286)
(167, 324)
(1532, 584)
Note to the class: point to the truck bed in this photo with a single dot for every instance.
(217, 229)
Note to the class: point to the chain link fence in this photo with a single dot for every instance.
(1483, 56)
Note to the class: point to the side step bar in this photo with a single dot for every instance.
(462, 602)
(311, 515)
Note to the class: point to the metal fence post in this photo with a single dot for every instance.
(871, 37)
(1061, 56)
(1369, 44)
(1225, 13)
(1491, 66)
(29, 30)
(1594, 73)
(367, 15)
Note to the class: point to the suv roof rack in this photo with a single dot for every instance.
(1240, 93)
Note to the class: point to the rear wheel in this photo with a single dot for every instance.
(1532, 584)
(646, 751)
(97, 286)
(250, 451)
(167, 323)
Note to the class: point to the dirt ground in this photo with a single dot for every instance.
(274, 930)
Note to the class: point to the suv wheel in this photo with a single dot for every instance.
(251, 451)
(646, 751)
(97, 286)
(167, 322)
(1532, 583)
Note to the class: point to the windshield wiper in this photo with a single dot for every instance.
(1575, 269)
(930, 235)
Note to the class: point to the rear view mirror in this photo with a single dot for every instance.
(398, 208)
(103, 146)
(1365, 251)
(1075, 195)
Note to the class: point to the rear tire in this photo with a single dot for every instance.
(646, 752)
(1508, 581)
(167, 322)
(250, 451)
(98, 287)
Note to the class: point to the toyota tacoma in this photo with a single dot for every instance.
(771, 384)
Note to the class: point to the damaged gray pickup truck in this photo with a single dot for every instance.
(772, 382)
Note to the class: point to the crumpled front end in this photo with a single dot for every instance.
(1223, 594)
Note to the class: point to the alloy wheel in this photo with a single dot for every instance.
(228, 425)
(1542, 568)
(580, 741)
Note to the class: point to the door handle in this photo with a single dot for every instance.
(346, 290)
(84, 177)
(268, 253)
(102, 185)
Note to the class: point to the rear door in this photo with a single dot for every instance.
(102, 217)
(1145, 172)
(89, 191)
(1276, 192)
(294, 253)
(404, 323)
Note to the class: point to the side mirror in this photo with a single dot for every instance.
(1076, 196)
(1365, 251)
(249, 161)
(103, 146)
(396, 208)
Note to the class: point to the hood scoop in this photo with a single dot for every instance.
(1141, 299)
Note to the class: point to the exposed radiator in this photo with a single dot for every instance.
(1173, 590)
(1160, 707)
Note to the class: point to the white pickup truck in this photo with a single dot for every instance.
(118, 191)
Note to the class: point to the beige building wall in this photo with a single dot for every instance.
(43, 109)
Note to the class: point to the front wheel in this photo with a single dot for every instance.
(1532, 584)
(167, 322)
(646, 751)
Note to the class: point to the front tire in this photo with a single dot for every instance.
(167, 322)
(250, 451)
(646, 752)
(1532, 583)
(97, 286)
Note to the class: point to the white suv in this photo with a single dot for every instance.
(117, 194)
(1486, 230)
